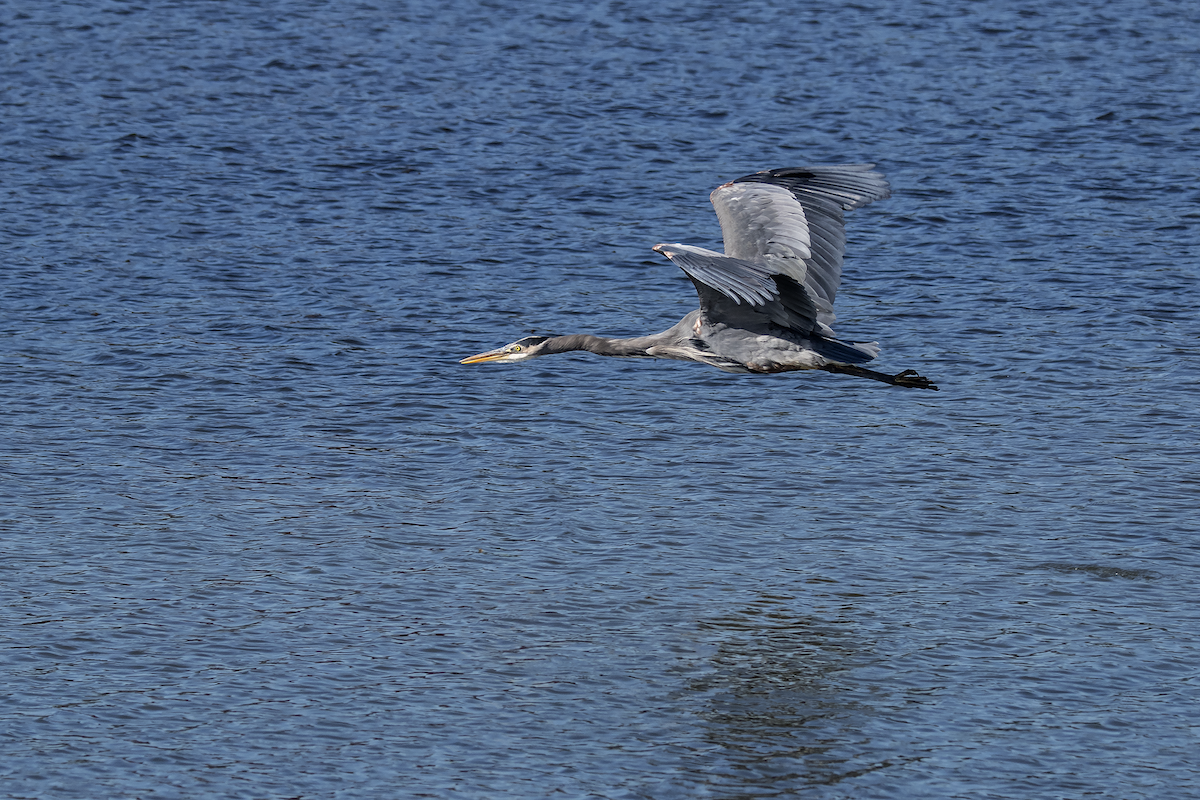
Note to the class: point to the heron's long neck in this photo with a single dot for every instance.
(598, 345)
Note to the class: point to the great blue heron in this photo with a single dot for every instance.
(766, 303)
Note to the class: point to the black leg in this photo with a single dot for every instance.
(908, 378)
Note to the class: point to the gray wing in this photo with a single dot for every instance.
(745, 293)
(784, 237)
(793, 219)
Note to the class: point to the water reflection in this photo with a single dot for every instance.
(1100, 571)
(777, 706)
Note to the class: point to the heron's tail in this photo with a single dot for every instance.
(846, 352)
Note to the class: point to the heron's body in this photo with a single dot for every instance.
(766, 303)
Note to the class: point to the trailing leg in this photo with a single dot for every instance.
(908, 378)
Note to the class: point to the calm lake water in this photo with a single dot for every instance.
(264, 537)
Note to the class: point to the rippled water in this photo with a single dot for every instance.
(264, 537)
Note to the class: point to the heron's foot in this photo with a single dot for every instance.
(911, 380)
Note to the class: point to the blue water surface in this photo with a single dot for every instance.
(264, 537)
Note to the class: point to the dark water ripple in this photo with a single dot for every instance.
(263, 537)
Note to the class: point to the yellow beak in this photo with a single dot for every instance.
(490, 355)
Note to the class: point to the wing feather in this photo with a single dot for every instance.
(785, 236)
(757, 293)
(742, 281)
(821, 194)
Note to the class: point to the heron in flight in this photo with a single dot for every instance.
(766, 303)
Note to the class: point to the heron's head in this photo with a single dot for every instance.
(519, 350)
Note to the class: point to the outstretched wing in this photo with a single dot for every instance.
(743, 292)
(792, 219)
(783, 227)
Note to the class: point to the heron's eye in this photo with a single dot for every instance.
(516, 348)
